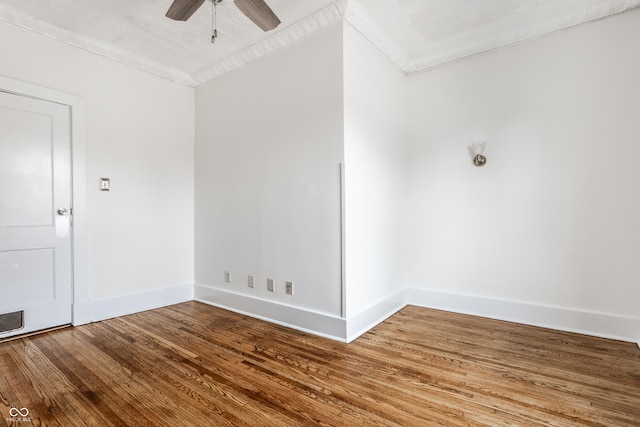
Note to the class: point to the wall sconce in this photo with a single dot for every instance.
(476, 150)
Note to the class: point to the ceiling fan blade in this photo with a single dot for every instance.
(181, 10)
(259, 12)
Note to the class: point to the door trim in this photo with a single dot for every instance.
(79, 256)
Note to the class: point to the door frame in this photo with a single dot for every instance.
(80, 309)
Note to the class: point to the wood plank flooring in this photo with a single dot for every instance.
(196, 365)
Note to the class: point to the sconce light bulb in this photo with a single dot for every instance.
(479, 160)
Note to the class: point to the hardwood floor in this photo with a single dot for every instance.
(196, 365)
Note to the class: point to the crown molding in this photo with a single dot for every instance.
(356, 16)
(294, 33)
(95, 47)
(353, 13)
(349, 11)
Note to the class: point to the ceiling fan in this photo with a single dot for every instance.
(256, 10)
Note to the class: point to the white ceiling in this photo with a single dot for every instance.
(414, 34)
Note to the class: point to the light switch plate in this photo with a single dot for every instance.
(105, 184)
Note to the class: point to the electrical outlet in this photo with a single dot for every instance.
(270, 285)
(227, 277)
(252, 281)
(289, 288)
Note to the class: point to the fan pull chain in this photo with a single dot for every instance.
(214, 20)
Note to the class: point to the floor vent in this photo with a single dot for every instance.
(11, 321)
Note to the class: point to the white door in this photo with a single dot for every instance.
(35, 215)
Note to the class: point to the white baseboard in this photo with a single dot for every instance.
(322, 324)
(129, 304)
(375, 314)
(346, 330)
(81, 313)
(565, 319)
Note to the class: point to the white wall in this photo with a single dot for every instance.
(269, 143)
(375, 135)
(552, 219)
(139, 133)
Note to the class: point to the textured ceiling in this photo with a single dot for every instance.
(415, 34)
